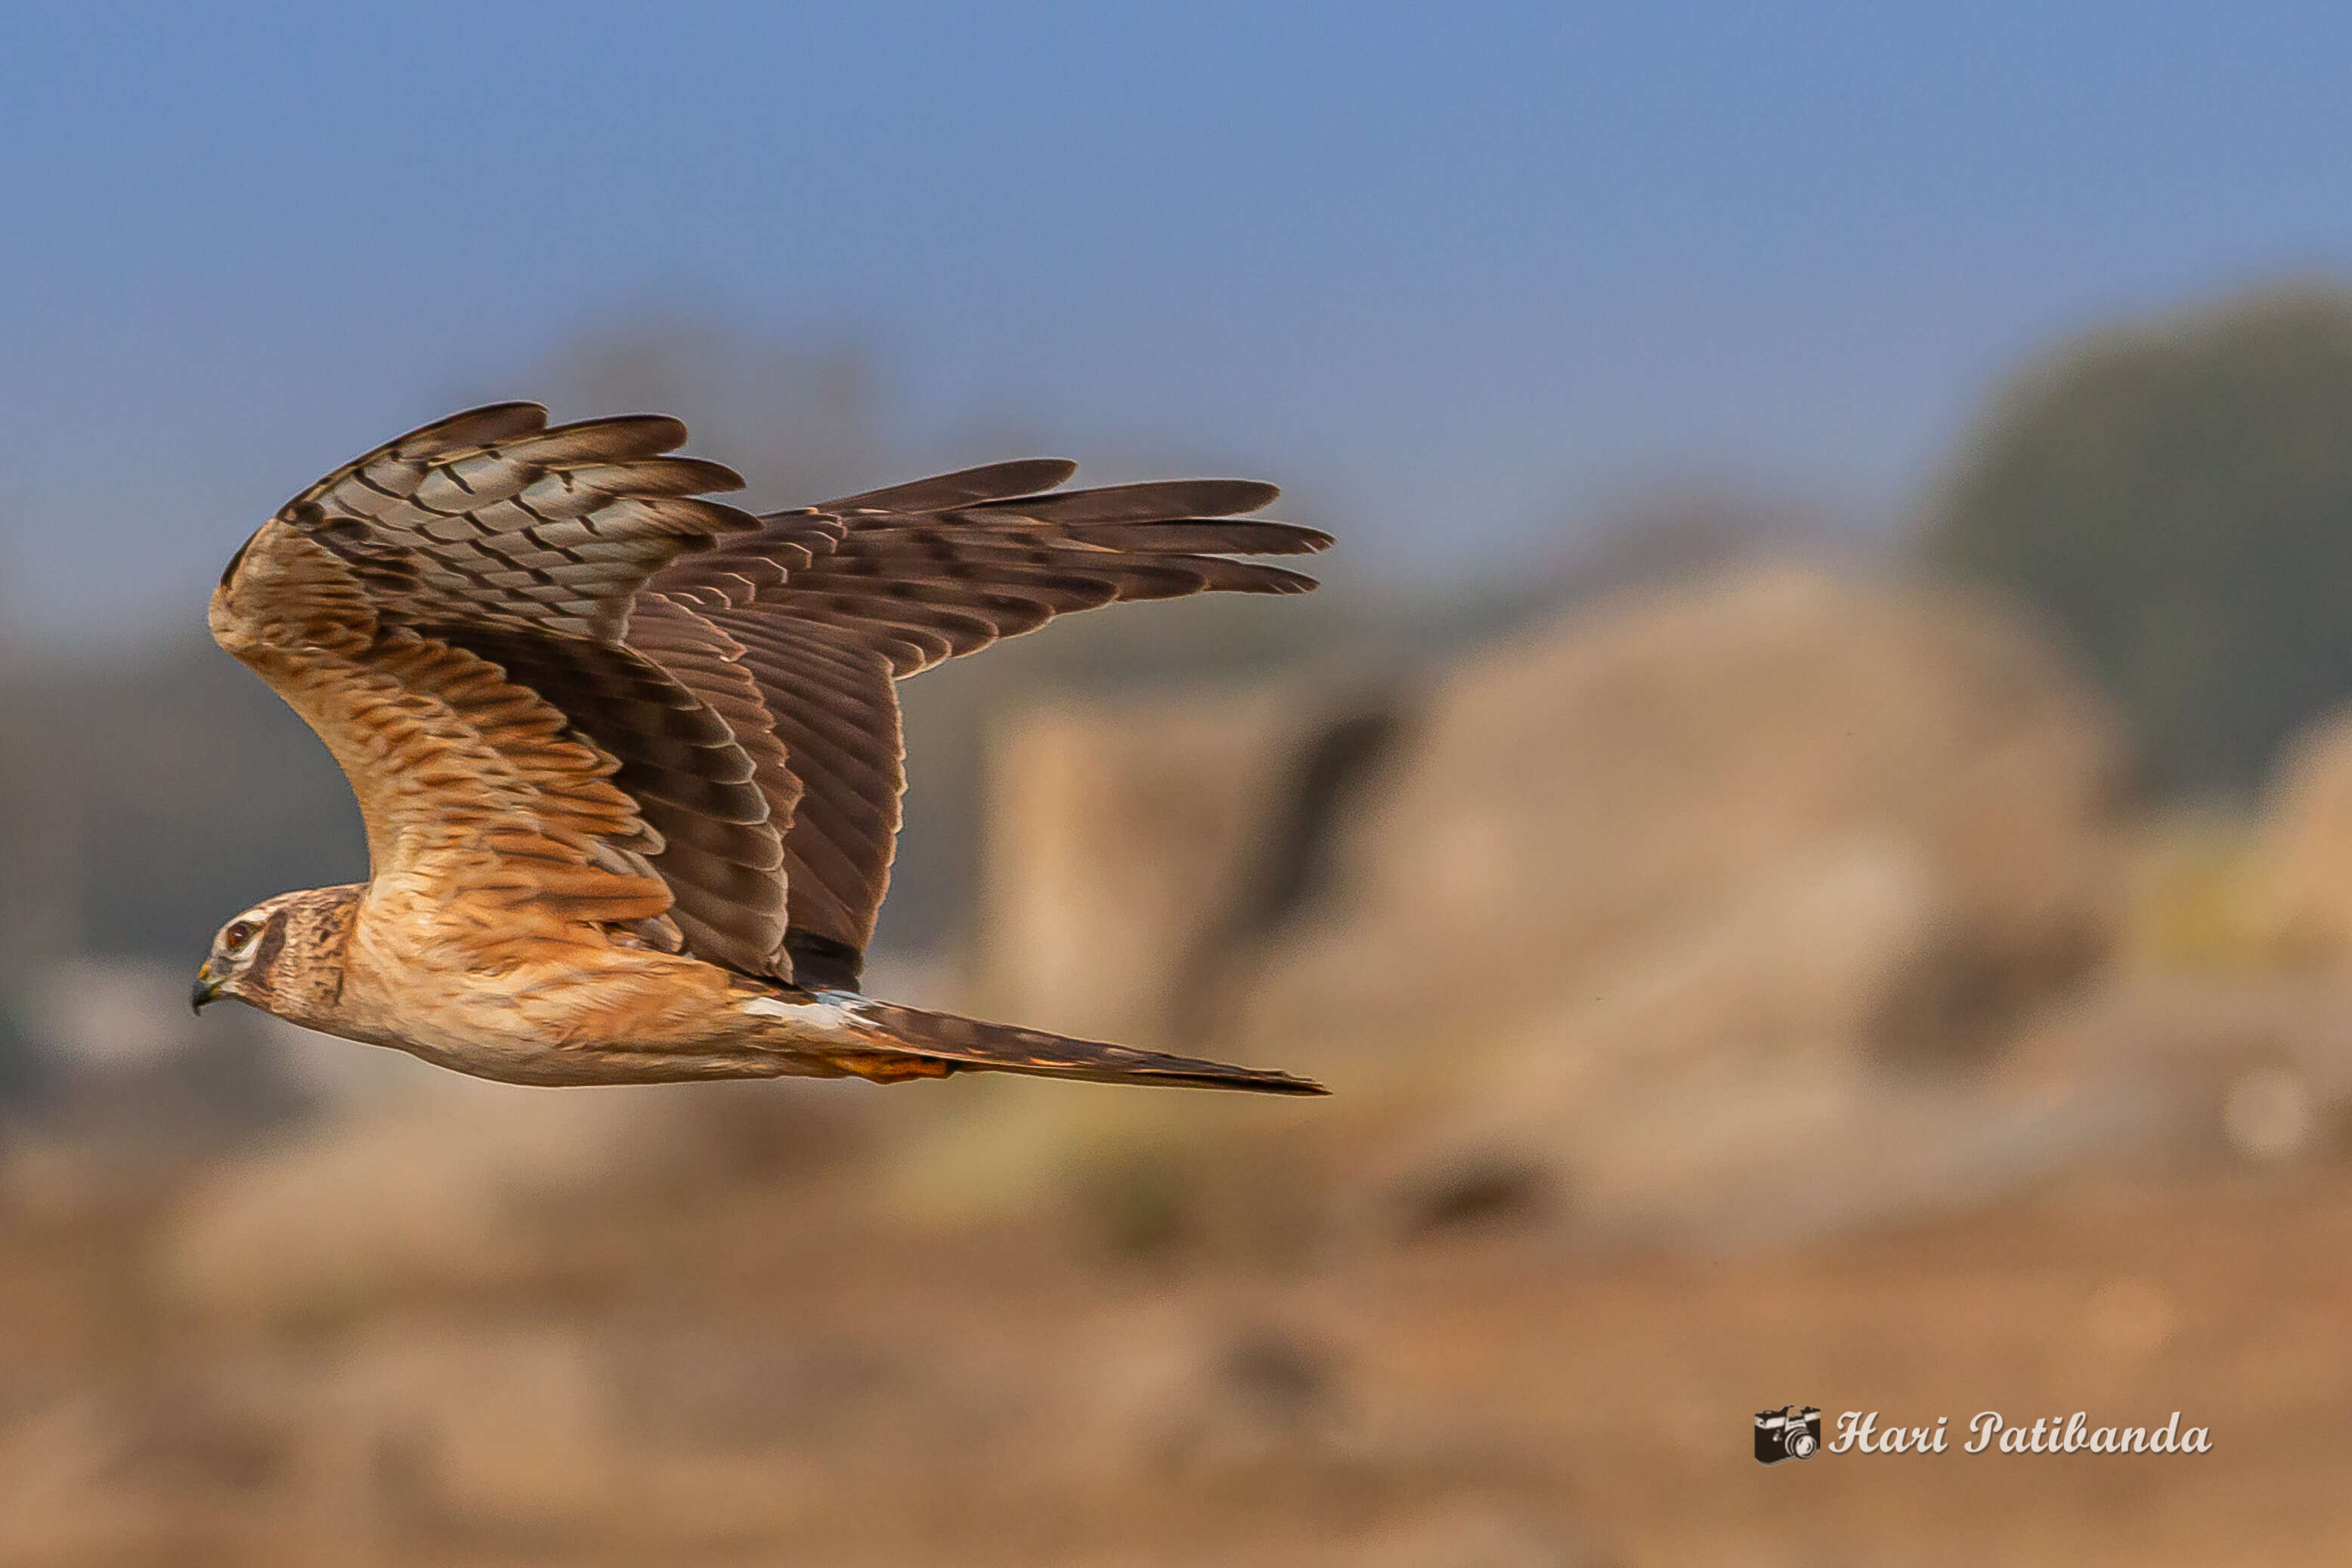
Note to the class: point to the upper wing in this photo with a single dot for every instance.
(824, 609)
(447, 614)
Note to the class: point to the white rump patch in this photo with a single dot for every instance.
(828, 1010)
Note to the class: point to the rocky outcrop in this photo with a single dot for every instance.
(1547, 813)
(1575, 804)
(1697, 846)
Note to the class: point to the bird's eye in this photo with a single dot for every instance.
(239, 933)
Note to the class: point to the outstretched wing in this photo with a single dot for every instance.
(448, 612)
(822, 610)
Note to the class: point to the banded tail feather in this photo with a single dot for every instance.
(962, 1044)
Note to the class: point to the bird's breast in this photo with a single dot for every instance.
(545, 1017)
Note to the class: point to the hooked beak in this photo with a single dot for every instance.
(206, 989)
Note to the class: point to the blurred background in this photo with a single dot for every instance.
(1810, 828)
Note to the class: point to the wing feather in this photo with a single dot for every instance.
(474, 790)
(965, 487)
(827, 606)
(562, 680)
(515, 551)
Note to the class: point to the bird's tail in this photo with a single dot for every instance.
(933, 1043)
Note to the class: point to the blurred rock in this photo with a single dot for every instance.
(2301, 896)
(2139, 1073)
(1765, 839)
(1696, 1094)
(1122, 841)
(1550, 808)
(1581, 798)
(2252, 1068)
(1781, 1154)
(1793, 970)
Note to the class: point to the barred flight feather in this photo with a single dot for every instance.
(678, 686)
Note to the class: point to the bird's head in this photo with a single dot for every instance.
(267, 956)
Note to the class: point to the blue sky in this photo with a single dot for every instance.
(1453, 276)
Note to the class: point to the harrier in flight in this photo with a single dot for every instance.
(629, 758)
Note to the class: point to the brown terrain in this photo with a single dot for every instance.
(1759, 991)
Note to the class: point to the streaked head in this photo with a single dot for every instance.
(269, 957)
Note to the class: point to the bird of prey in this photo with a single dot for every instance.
(629, 758)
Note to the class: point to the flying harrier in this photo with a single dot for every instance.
(629, 758)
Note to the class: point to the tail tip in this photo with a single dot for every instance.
(1288, 1083)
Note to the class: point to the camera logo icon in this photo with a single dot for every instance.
(1788, 1433)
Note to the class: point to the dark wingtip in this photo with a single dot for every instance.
(1282, 580)
(964, 487)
